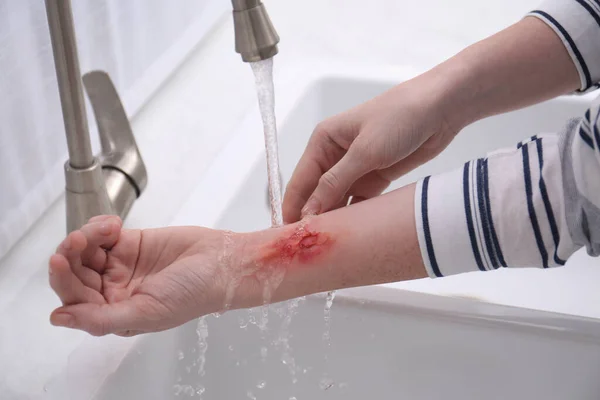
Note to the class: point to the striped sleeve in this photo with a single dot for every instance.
(532, 205)
(577, 23)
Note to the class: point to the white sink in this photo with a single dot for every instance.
(386, 342)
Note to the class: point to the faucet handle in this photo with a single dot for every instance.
(124, 171)
(119, 148)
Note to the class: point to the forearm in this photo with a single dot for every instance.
(521, 65)
(367, 243)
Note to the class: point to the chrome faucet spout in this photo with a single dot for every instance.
(60, 21)
(255, 36)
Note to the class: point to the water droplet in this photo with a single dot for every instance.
(45, 388)
(243, 323)
(179, 379)
(343, 385)
(250, 395)
(252, 320)
(293, 398)
(189, 391)
(200, 390)
(180, 355)
(230, 347)
(326, 383)
(329, 300)
(372, 336)
(263, 352)
(177, 389)
(261, 384)
(216, 314)
(237, 363)
(287, 359)
(265, 311)
(304, 371)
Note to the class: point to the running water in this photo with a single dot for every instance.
(327, 313)
(263, 74)
(326, 381)
(202, 332)
(198, 390)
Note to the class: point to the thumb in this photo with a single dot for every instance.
(101, 319)
(335, 183)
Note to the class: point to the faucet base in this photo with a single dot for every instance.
(85, 195)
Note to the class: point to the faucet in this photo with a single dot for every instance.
(255, 36)
(110, 182)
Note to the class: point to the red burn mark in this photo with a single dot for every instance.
(303, 244)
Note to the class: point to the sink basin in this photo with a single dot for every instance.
(386, 341)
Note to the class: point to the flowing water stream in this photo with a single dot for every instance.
(263, 73)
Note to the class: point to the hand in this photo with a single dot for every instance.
(129, 282)
(360, 152)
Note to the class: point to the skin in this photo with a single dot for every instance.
(126, 282)
(358, 153)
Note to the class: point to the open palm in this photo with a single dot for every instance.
(129, 282)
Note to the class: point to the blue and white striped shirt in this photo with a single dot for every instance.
(532, 205)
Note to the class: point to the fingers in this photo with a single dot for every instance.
(101, 233)
(123, 318)
(82, 249)
(301, 185)
(67, 286)
(71, 249)
(326, 147)
(335, 183)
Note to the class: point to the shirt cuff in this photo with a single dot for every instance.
(577, 24)
(449, 220)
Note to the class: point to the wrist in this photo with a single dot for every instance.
(242, 276)
(277, 264)
(454, 91)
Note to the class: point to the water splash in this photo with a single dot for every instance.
(263, 73)
(327, 315)
(264, 311)
(261, 384)
(326, 381)
(287, 356)
(198, 362)
(188, 390)
(202, 332)
(233, 281)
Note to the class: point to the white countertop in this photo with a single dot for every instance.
(190, 119)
